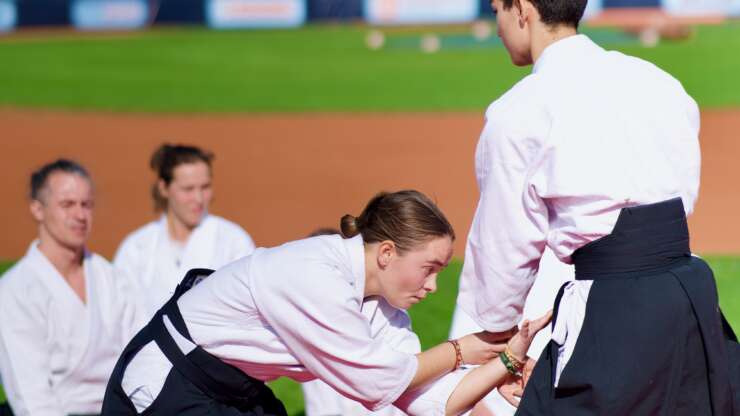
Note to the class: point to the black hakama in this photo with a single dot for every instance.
(199, 383)
(653, 340)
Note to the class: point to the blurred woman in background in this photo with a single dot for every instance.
(186, 236)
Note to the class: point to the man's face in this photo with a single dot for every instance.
(64, 209)
(513, 31)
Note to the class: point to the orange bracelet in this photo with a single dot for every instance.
(458, 354)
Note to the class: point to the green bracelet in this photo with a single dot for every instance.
(508, 364)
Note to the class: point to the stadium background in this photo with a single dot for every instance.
(312, 114)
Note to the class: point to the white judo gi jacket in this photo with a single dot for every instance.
(56, 352)
(149, 259)
(298, 310)
(588, 133)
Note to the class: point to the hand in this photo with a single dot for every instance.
(527, 371)
(498, 337)
(481, 347)
(519, 343)
(512, 390)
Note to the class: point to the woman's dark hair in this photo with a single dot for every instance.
(41, 175)
(164, 161)
(408, 218)
(555, 12)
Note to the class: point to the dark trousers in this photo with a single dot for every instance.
(199, 384)
(652, 341)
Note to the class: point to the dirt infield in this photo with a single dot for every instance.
(281, 176)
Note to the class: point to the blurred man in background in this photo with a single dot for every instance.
(66, 317)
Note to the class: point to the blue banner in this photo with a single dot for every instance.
(8, 15)
(392, 12)
(109, 14)
(236, 14)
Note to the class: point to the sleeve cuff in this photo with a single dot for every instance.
(408, 376)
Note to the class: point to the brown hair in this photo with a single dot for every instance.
(164, 161)
(407, 218)
(40, 177)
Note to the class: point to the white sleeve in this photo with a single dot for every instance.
(508, 233)
(432, 398)
(318, 318)
(126, 261)
(131, 314)
(24, 362)
(243, 245)
(125, 272)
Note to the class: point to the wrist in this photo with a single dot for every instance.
(513, 364)
(458, 353)
(520, 356)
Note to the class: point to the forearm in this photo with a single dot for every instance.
(476, 385)
(433, 363)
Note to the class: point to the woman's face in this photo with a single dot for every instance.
(189, 194)
(407, 279)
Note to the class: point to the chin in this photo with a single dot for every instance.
(75, 243)
(521, 61)
(400, 305)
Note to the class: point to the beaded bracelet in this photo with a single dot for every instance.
(458, 353)
(518, 364)
(509, 363)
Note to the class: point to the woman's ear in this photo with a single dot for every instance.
(386, 251)
(162, 188)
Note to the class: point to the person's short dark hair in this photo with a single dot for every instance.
(164, 161)
(556, 12)
(41, 175)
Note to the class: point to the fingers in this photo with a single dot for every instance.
(536, 325)
(497, 337)
(527, 371)
(512, 390)
(498, 348)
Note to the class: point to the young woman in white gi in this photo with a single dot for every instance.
(186, 236)
(65, 316)
(322, 400)
(326, 307)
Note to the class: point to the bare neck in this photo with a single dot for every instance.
(543, 36)
(177, 230)
(67, 260)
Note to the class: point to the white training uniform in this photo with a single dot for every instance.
(551, 275)
(298, 311)
(588, 133)
(156, 264)
(322, 400)
(56, 352)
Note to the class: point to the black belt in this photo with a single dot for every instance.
(647, 238)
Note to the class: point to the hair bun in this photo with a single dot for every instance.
(159, 156)
(348, 225)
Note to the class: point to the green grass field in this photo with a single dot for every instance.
(431, 318)
(318, 68)
(327, 68)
